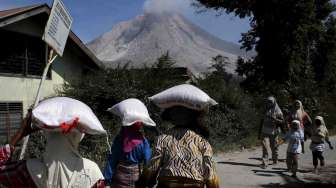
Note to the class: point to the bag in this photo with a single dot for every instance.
(185, 95)
(65, 114)
(131, 111)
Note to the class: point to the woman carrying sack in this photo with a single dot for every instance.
(130, 147)
(183, 156)
(61, 165)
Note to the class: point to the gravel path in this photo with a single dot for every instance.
(242, 169)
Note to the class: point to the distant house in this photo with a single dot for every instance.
(23, 56)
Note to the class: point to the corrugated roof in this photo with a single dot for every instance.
(6, 14)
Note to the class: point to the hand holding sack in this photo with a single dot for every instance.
(66, 114)
(132, 111)
(185, 95)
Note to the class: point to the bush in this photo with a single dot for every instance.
(234, 122)
(235, 119)
(105, 88)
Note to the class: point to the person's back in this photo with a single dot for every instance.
(130, 148)
(60, 167)
(186, 154)
(86, 174)
(64, 165)
(128, 153)
(182, 157)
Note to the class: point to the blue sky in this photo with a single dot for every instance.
(94, 17)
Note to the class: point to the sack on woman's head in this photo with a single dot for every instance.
(185, 95)
(66, 114)
(131, 111)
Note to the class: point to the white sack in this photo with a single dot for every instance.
(52, 113)
(131, 111)
(183, 95)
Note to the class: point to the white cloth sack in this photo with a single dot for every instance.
(52, 113)
(131, 111)
(183, 95)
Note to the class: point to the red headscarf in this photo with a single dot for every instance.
(132, 137)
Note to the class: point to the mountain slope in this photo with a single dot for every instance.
(145, 38)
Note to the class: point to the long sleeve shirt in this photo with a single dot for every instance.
(141, 153)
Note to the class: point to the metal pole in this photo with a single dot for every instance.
(37, 99)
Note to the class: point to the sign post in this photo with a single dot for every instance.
(55, 35)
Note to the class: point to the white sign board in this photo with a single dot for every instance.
(58, 27)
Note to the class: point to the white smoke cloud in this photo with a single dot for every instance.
(161, 6)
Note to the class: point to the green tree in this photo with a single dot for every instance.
(164, 61)
(283, 33)
(218, 68)
(325, 57)
(295, 45)
(228, 122)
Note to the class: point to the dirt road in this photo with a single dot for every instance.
(242, 169)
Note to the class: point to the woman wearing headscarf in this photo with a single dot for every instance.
(182, 157)
(270, 129)
(319, 136)
(60, 167)
(298, 113)
(130, 148)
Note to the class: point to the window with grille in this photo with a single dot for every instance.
(10, 120)
(22, 55)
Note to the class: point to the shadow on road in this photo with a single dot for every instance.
(326, 175)
(290, 181)
(303, 171)
(255, 158)
(266, 175)
(270, 171)
(238, 163)
(298, 185)
(326, 178)
(260, 159)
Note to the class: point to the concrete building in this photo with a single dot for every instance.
(23, 56)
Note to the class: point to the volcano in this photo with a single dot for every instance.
(142, 40)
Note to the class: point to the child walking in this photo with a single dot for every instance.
(317, 146)
(294, 139)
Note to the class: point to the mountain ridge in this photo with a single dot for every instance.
(146, 37)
